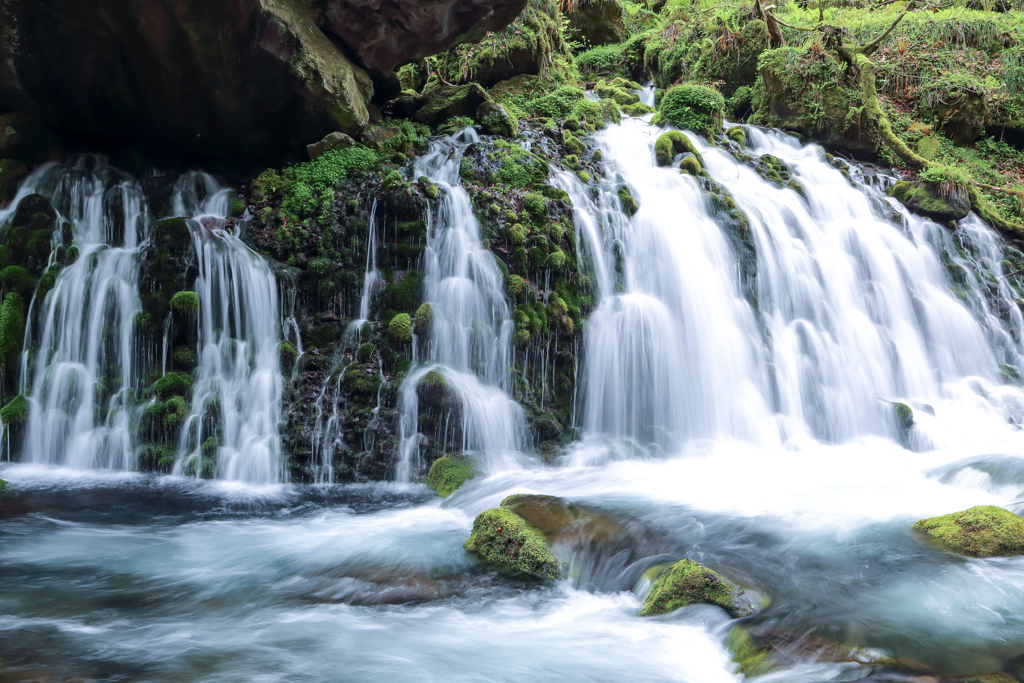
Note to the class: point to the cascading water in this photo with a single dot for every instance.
(471, 327)
(766, 399)
(239, 376)
(80, 385)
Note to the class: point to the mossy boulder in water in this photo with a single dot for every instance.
(696, 108)
(670, 144)
(926, 199)
(424, 320)
(982, 531)
(400, 328)
(449, 473)
(688, 583)
(502, 537)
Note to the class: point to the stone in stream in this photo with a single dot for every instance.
(519, 534)
(981, 531)
(449, 473)
(688, 583)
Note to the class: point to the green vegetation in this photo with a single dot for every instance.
(186, 303)
(982, 531)
(400, 329)
(695, 108)
(424, 320)
(173, 384)
(12, 330)
(503, 538)
(16, 411)
(448, 473)
(688, 583)
(674, 142)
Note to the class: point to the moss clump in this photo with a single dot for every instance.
(185, 357)
(688, 583)
(12, 329)
(904, 415)
(286, 356)
(517, 234)
(737, 135)
(210, 447)
(628, 201)
(982, 531)
(400, 329)
(16, 279)
(175, 412)
(536, 208)
(185, 303)
(502, 537)
(690, 165)
(752, 658)
(695, 108)
(173, 384)
(16, 411)
(447, 474)
(424, 320)
(670, 144)
(428, 187)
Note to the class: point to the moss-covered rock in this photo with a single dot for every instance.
(495, 120)
(502, 537)
(695, 108)
(925, 199)
(173, 384)
(689, 165)
(400, 329)
(424, 320)
(596, 22)
(449, 473)
(671, 143)
(753, 658)
(12, 330)
(688, 583)
(185, 303)
(982, 531)
(737, 135)
(628, 201)
(15, 411)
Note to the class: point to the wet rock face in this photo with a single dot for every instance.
(384, 34)
(246, 80)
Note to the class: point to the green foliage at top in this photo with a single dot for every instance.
(12, 329)
(982, 531)
(502, 537)
(447, 474)
(695, 108)
(688, 583)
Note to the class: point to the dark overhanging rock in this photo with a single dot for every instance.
(251, 80)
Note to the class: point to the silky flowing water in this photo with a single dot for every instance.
(759, 441)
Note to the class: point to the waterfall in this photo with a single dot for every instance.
(853, 310)
(87, 367)
(237, 390)
(80, 383)
(471, 329)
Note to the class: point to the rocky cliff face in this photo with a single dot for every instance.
(244, 79)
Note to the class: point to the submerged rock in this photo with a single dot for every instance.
(688, 583)
(981, 531)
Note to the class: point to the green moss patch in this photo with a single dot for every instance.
(982, 531)
(696, 108)
(674, 142)
(449, 473)
(688, 583)
(502, 537)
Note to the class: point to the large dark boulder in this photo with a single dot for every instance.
(245, 80)
(597, 22)
(384, 34)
